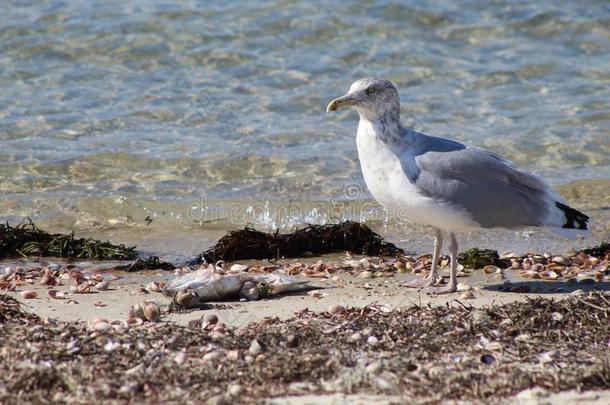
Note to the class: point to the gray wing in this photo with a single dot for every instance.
(490, 188)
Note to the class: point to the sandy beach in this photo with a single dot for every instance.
(370, 366)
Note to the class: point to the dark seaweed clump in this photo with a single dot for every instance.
(600, 250)
(150, 263)
(476, 258)
(348, 236)
(27, 240)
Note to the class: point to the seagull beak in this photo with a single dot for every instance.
(338, 103)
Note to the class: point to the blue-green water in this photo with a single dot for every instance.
(111, 111)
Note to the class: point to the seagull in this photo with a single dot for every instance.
(445, 184)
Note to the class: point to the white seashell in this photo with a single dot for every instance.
(463, 287)
(365, 274)
(255, 347)
(238, 268)
(102, 285)
(235, 390)
(468, 295)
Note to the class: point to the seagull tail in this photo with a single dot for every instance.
(568, 222)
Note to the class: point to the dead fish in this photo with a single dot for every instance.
(211, 286)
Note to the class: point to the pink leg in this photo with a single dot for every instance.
(452, 286)
(431, 279)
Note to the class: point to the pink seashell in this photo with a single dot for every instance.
(28, 294)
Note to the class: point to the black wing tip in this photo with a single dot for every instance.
(574, 218)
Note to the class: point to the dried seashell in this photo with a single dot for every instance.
(28, 294)
(97, 277)
(152, 312)
(530, 274)
(194, 323)
(102, 285)
(136, 311)
(47, 278)
(365, 274)
(95, 321)
(549, 275)
(83, 288)
(209, 319)
(120, 326)
(133, 321)
(463, 287)
(315, 294)
(364, 263)
(154, 287)
(491, 269)
(480, 317)
(468, 295)
(99, 303)
(557, 316)
(538, 267)
(215, 336)
(7, 286)
(235, 390)
(103, 327)
(400, 265)
(336, 309)
(58, 295)
(559, 260)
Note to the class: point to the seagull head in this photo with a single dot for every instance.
(371, 97)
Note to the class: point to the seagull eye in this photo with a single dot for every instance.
(370, 90)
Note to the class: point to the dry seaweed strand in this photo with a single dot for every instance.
(27, 240)
(426, 353)
(349, 236)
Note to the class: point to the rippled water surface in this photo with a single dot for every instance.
(117, 110)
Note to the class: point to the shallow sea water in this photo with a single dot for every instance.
(206, 115)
